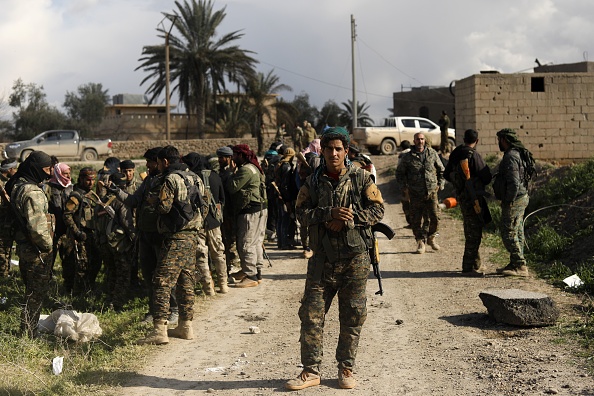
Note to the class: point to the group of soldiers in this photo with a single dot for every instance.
(112, 219)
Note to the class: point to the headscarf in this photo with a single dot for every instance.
(31, 170)
(249, 155)
(58, 177)
(111, 164)
(196, 162)
(151, 154)
(288, 155)
(8, 164)
(314, 147)
(511, 137)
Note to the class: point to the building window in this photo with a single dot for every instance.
(537, 84)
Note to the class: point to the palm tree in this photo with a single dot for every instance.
(259, 90)
(197, 57)
(234, 119)
(346, 116)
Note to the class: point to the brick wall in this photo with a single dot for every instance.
(557, 124)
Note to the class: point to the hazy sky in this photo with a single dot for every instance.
(62, 44)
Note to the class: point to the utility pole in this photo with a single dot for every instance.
(167, 100)
(353, 40)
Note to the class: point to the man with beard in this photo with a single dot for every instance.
(421, 172)
(58, 189)
(83, 261)
(248, 200)
(33, 236)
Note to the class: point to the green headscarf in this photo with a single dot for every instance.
(338, 132)
(511, 137)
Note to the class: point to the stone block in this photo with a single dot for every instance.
(520, 308)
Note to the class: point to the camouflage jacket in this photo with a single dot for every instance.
(174, 189)
(145, 199)
(314, 205)
(509, 182)
(30, 203)
(78, 212)
(422, 173)
(132, 185)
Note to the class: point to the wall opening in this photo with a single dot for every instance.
(537, 84)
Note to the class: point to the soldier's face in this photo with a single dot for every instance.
(334, 153)
(420, 142)
(224, 161)
(66, 174)
(47, 169)
(129, 174)
(88, 183)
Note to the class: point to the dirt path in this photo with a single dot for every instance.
(428, 335)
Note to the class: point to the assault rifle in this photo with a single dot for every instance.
(374, 251)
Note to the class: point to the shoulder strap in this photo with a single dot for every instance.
(205, 176)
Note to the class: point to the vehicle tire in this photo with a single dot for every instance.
(388, 147)
(25, 154)
(451, 144)
(89, 155)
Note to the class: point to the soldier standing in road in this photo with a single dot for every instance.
(226, 167)
(480, 176)
(7, 169)
(82, 263)
(421, 172)
(248, 200)
(511, 188)
(33, 236)
(177, 261)
(338, 203)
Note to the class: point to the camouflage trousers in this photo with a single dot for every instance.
(512, 229)
(424, 205)
(473, 235)
(210, 243)
(119, 270)
(36, 274)
(5, 250)
(175, 268)
(81, 265)
(348, 279)
(149, 251)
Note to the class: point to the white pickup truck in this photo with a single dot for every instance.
(62, 143)
(386, 139)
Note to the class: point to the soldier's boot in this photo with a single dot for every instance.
(517, 271)
(223, 288)
(420, 246)
(158, 336)
(431, 242)
(183, 330)
(222, 277)
(173, 317)
(346, 379)
(304, 380)
(507, 267)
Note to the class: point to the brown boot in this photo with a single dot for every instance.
(183, 330)
(420, 246)
(346, 379)
(304, 380)
(158, 336)
(431, 242)
(518, 271)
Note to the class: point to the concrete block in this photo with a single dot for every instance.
(520, 308)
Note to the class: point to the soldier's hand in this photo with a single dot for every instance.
(340, 213)
(335, 225)
(81, 236)
(112, 188)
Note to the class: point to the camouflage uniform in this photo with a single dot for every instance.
(83, 261)
(176, 264)
(422, 175)
(115, 243)
(340, 263)
(6, 232)
(480, 175)
(34, 250)
(57, 197)
(511, 188)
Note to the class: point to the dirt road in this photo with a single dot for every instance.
(428, 335)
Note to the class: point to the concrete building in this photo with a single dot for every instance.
(425, 101)
(552, 109)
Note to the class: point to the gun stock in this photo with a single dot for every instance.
(470, 187)
(374, 252)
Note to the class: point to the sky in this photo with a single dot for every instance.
(62, 44)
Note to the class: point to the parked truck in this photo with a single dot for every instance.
(386, 139)
(61, 143)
